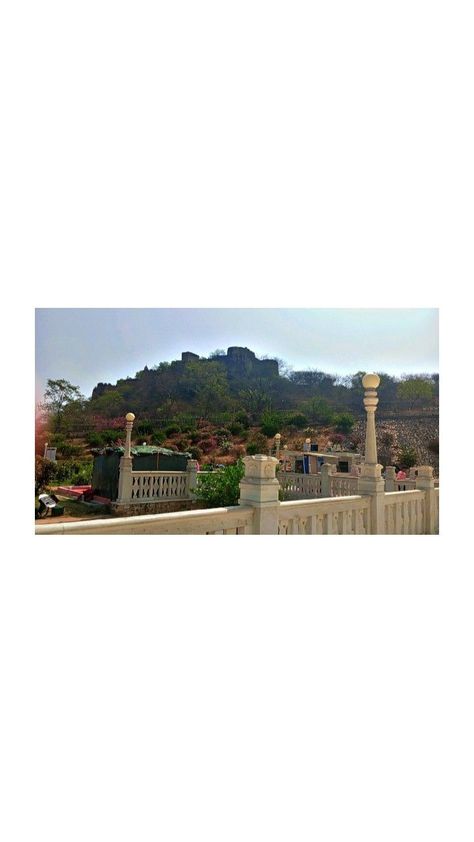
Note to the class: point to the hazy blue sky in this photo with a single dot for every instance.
(86, 346)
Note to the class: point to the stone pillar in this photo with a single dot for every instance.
(125, 467)
(191, 478)
(390, 477)
(277, 445)
(327, 471)
(260, 489)
(370, 383)
(425, 482)
(370, 481)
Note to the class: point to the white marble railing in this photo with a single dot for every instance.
(299, 486)
(343, 485)
(328, 516)
(158, 485)
(308, 486)
(404, 512)
(260, 511)
(233, 520)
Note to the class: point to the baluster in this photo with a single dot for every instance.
(398, 519)
(346, 527)
(405, 518)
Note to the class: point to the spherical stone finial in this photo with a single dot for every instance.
(129, 416)
(278, 436)
(370, 381)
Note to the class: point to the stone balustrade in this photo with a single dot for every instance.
(339, 504)
(404, 513)
(233, 520)
(260, 512)
(159, 485)
(299, 486)
(327, 516)
(310, 486)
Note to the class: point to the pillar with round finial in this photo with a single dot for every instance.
(129, 419)
(125, 467)
(370, 480)
(370, 383)
(277, 445)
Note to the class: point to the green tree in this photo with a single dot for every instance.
(59, 395)
(270, 423)
(408, 457)
(416, 391)
(319, 411)
(111, 404)
(204, 382)
(255, 400)
(45, 472)
(344, 422)
(221, 488)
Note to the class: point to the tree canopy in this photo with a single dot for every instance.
(59, 395)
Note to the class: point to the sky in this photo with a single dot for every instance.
(88, 346)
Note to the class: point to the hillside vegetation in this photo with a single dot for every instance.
(232, 404)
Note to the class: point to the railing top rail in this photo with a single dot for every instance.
(352, 501)
(159, 473)
(127, 524)
(394, 496)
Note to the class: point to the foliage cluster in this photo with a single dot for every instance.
(221, 488)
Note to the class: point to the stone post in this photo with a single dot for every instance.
(125, 467)
(260, 489)
(425, 482)
(370, 481)
(191, 478)
(277, 445)
(327, 471)
(390, 477)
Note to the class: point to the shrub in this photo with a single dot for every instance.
(257, 444)
(236, 428)
(208, 444)
(196, 453)
(223, 433)
(57, 440)
(270, 423)
(45, 472)
(344, 422)
(171, 430)
(297, 420)
(144, 428)
(157, 437)
(95, 439)
(408, 457)
(237, 451)
(225, 446)
(319, 411)
(70, 451)
(194, 436)
(111, 436)
(222, 487)
(337, 438)
(243, 418)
